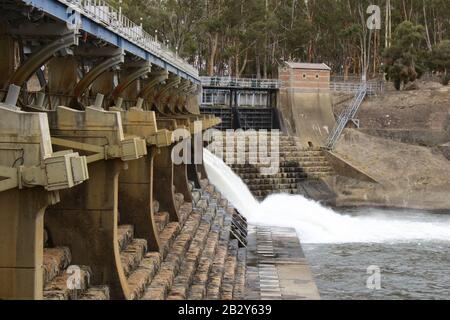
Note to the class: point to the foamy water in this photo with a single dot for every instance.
(317, 224)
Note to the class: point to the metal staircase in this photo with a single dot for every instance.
(346, 115)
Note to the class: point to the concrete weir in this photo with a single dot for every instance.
(276, 266)
(93, 206)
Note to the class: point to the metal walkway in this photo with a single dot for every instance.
(347, 115)
(101, 20)
(241, 83)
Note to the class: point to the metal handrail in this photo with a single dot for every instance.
(228, 82)
(373, 87)
(103, 13)
(211, 97)
(346, 115)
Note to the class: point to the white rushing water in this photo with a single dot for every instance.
(317, 224)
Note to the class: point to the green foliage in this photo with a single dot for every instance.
(401, 58)
(252, 37)
(446, 80)
(439, 60)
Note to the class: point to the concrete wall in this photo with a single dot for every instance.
(307, 115)
(305, 104)
(344, 168)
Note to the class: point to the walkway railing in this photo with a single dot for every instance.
(226, 82)
(373, 87)
(347, 115)
(103, 13)
(218, 97)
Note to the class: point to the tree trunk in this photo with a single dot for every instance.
(388, 27)
(212, 54)
(427, 32)
(244, 65)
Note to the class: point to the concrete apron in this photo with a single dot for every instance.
(276, 266)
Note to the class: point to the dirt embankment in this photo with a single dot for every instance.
(403, 142)
(409, 176)
(423, 109)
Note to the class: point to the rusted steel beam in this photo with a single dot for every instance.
(143, 70)
(161, 97)
(171, 83)
(155, 79)
(29, 67)
(92, 75)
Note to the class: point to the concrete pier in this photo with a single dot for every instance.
(276, 266)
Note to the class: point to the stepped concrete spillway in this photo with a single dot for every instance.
(276, 266)
(296, 164)
(199, 259)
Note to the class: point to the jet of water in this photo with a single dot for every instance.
(315, 223)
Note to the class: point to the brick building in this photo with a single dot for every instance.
(305, 76)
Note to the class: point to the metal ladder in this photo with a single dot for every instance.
(346, 115)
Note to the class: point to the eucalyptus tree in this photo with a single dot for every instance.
(253, 37)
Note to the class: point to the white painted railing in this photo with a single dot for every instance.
(212, 97)
(373, 87)
(103, 13)
(226, 82)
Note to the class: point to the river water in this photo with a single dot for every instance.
(408, 252)
(409, 269)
